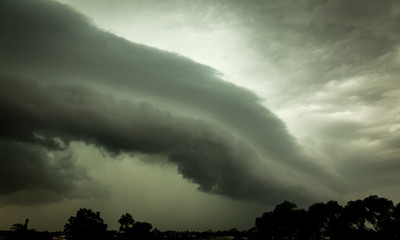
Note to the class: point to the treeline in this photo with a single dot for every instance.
(371, 218)
(86, 225)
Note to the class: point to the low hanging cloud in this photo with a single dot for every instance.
(26, 166)
(64, 80)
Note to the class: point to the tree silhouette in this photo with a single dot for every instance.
(141, 230)
(371, 218)
(379, 212)
(126, 221)
(368, 219)
(86, 225)
(322, 219)
(286, 221)
(393, 227)
(133, 230)
(264, 226)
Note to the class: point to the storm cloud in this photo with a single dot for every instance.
(256, 101)
(64, 80)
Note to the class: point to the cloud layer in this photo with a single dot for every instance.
(63, 80)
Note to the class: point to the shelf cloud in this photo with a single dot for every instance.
(64, 80)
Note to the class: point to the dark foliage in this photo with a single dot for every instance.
(371, 218)
(134, 230)
(86, 225)
(126, 222)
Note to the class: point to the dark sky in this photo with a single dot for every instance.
(195, 115)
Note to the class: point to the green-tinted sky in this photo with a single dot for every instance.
(195, 114)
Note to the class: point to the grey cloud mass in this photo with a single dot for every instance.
(63, 80)
(26, 166)
(321, 120)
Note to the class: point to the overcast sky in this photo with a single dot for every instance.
(195, 115)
